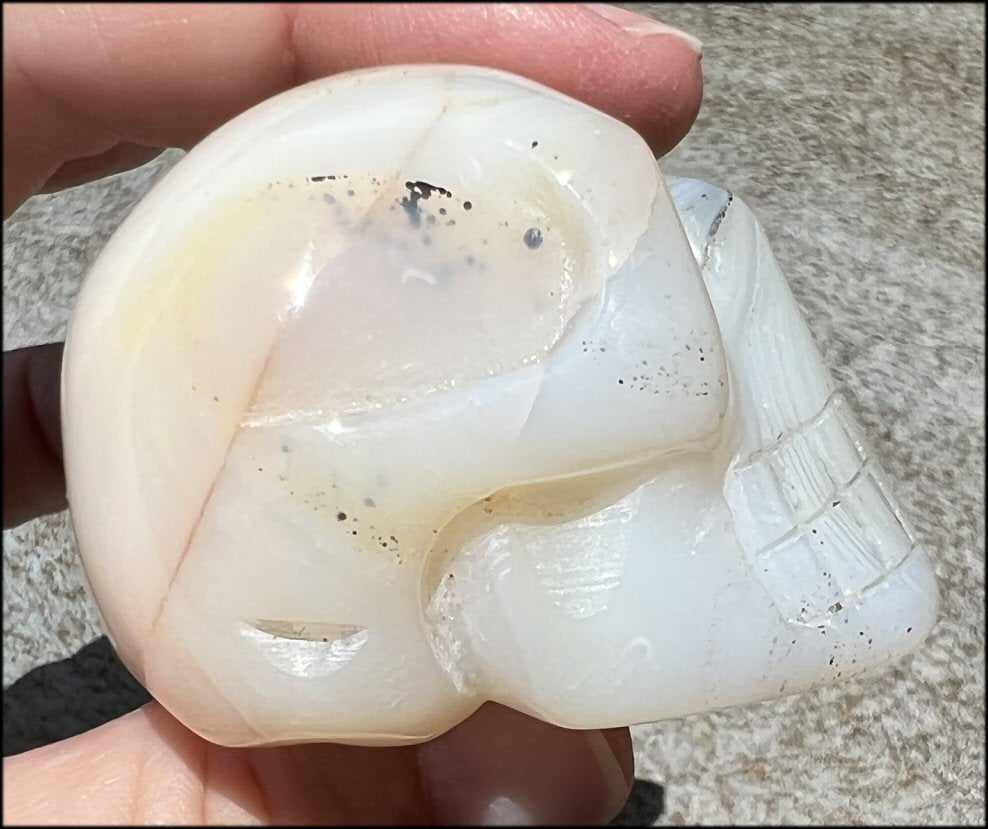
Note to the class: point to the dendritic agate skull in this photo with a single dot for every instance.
(417, 387)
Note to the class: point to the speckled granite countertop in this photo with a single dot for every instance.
(856, 133)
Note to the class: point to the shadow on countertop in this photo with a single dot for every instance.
(65, 698)
(645, 805)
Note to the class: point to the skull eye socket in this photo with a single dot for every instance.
(306, 648)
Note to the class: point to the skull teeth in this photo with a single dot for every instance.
(814, 519)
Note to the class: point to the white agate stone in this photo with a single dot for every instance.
(417, 387)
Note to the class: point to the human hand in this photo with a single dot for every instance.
(90, 91)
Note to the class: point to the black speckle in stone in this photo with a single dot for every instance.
(341, 516)
(442, 211)
(535, 144)
(430, 220)
(350, 192)
(369, 502)
(533, 238)
(419, 190)
(467, 205)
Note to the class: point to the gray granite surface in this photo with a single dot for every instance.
(856, 133)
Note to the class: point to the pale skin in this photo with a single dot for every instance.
(94, 90)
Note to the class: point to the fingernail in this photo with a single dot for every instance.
(502, 768)
(642, 25)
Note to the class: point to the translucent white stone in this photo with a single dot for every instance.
(417, 387)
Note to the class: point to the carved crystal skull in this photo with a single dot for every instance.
(417, 387)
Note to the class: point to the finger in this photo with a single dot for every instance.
(146, 767)
(80, 80)
(502, 767)
(33, 478)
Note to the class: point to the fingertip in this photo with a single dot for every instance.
(501, 767)
(641, 71)
(659, 88)
(664, 120)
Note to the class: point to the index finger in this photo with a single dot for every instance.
(91, 85)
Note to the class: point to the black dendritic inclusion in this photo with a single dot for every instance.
(533, 238)
(418, 190)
